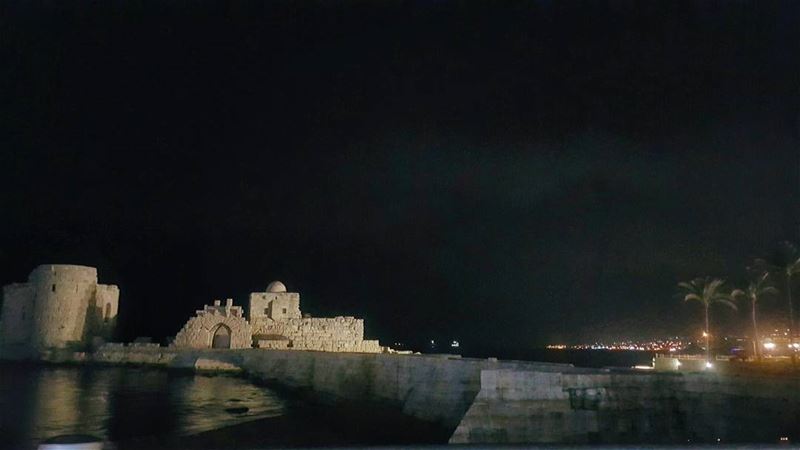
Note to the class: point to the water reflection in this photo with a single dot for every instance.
(122, 403)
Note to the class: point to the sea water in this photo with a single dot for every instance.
(122, 403)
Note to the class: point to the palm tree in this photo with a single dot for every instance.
(707, 291)
(755, 290)
(787, 261)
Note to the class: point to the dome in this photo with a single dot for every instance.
(276, 286)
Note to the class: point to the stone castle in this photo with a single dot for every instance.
(60, 306)
(63, 306)
(273, 321)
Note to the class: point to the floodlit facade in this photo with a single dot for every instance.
(59, 306)
(274, 321)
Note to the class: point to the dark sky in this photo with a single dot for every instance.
(505, 175)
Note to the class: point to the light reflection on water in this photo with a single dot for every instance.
(121, 403)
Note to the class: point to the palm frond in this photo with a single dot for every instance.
(690, 297)
(772, 290)
(726, 302)
(793, 268)
(738, 293)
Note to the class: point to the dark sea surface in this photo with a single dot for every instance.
(578, 358)
(155, 408)
(121, 403)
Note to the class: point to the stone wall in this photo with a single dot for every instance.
(435, 388)
(497, 402)
(103, 313)
(336, 334)
(16, 321)
(627, 407)
(58, 306)
(63, 296)
(438, 389)
(275, 305)
(199, 331)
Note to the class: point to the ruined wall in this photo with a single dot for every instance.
(337, 334)
(16, 320)
(199, 331)
(103, 313)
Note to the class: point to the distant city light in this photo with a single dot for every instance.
(455, 344)
(705, 334)
(709, 365)
(675, 344)
(769, 345)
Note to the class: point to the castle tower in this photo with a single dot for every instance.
(59, 305)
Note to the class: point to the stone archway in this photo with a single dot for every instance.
(200, 331)
(222, 337)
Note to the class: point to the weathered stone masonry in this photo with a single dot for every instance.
(275, 322)
(216, 321)
(60, 305)
(337, 334)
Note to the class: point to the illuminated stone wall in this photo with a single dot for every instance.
(199, 331)
(274, 305)
(337, 334)
(58, 306)
(275, 322)
(278, 324)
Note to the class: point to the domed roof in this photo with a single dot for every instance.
(276, 286)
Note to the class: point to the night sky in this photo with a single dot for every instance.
(506, 176)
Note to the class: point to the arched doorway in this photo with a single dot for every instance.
(222, 337)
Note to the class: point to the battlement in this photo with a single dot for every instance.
(217, 309)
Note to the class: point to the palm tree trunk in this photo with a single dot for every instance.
(756, 340)
(791, 316)
(708, 338)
